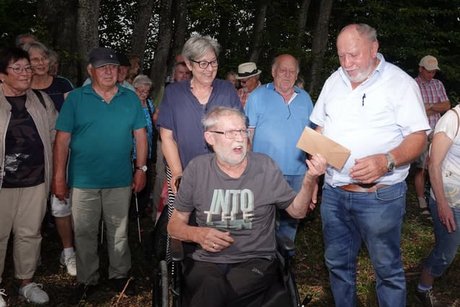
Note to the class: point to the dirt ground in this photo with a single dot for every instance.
(311, 274)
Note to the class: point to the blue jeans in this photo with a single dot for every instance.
(286, 225)
(376, 218)
(446, 244)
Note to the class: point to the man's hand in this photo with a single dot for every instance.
(316, 166)
(139, 181)
(369, 169)
(314, 198)
(213, 240)
(59, 189)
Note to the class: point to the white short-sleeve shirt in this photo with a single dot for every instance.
(373, 118)
(450, 167)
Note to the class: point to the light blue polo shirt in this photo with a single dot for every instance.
(101, 137)
(278, 126)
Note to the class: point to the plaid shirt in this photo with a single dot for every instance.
(433, 91)
(243, 94)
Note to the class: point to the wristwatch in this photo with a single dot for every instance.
(142, 168)
(390, 162)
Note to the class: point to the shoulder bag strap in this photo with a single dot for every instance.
(42, 100)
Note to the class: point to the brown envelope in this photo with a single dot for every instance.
(313, 142)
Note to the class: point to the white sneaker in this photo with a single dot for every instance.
(34, 294)
(2, 301)
(70, 263)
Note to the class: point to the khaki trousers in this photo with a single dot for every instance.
(21, 212)
(88, 205)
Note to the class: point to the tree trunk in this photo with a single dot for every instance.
(319, 44)
(61, 21)
(87, 30)
(159, 67)
(180, 26)
(259, 25)
(224, 25)
(302, 21)
(140, 32)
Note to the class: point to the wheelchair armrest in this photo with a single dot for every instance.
(177, 250)
(284, 243)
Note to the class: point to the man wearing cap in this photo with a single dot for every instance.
(96, 125)
(123, 68)
(436, 102)
(248, 75)
(278, 112)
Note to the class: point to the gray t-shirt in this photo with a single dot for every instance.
(244, 206)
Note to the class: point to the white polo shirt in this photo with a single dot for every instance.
(373, 118)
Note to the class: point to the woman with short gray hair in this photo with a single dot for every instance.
(142, 80)
(143, 85)
(184, 104)
(197, 46)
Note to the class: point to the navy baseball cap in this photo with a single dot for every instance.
(101, 56)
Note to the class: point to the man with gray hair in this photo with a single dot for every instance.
(436, 102)
(95, 127)
(278, 112)
(248, 76)
(234, 194)
(374, 109)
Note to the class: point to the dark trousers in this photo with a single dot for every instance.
(225, 285)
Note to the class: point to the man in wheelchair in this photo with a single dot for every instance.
(234, 194)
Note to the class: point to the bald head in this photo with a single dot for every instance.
(285, 69)
(357, 48)
(362, 29)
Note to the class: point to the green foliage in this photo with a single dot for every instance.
(408, 30)
(16, 17)
(230, 22)
(116, 22)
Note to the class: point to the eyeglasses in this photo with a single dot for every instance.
(19, 69)
(232, 134)
(205, 64)
(39, 60)
(142, 92)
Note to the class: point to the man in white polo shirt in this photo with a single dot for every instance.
(375, 109)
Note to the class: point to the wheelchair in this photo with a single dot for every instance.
(167, 288)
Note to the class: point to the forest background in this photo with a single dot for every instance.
(258, 30)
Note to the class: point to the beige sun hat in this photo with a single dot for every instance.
(429, 62)
(246, 70)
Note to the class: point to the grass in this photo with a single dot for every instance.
(417, 241)
(311, 273)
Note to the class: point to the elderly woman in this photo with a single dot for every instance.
(185, 103)
(43, 79)
(27, 131)
(444, 170)
(57, 88)
(142, 84)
